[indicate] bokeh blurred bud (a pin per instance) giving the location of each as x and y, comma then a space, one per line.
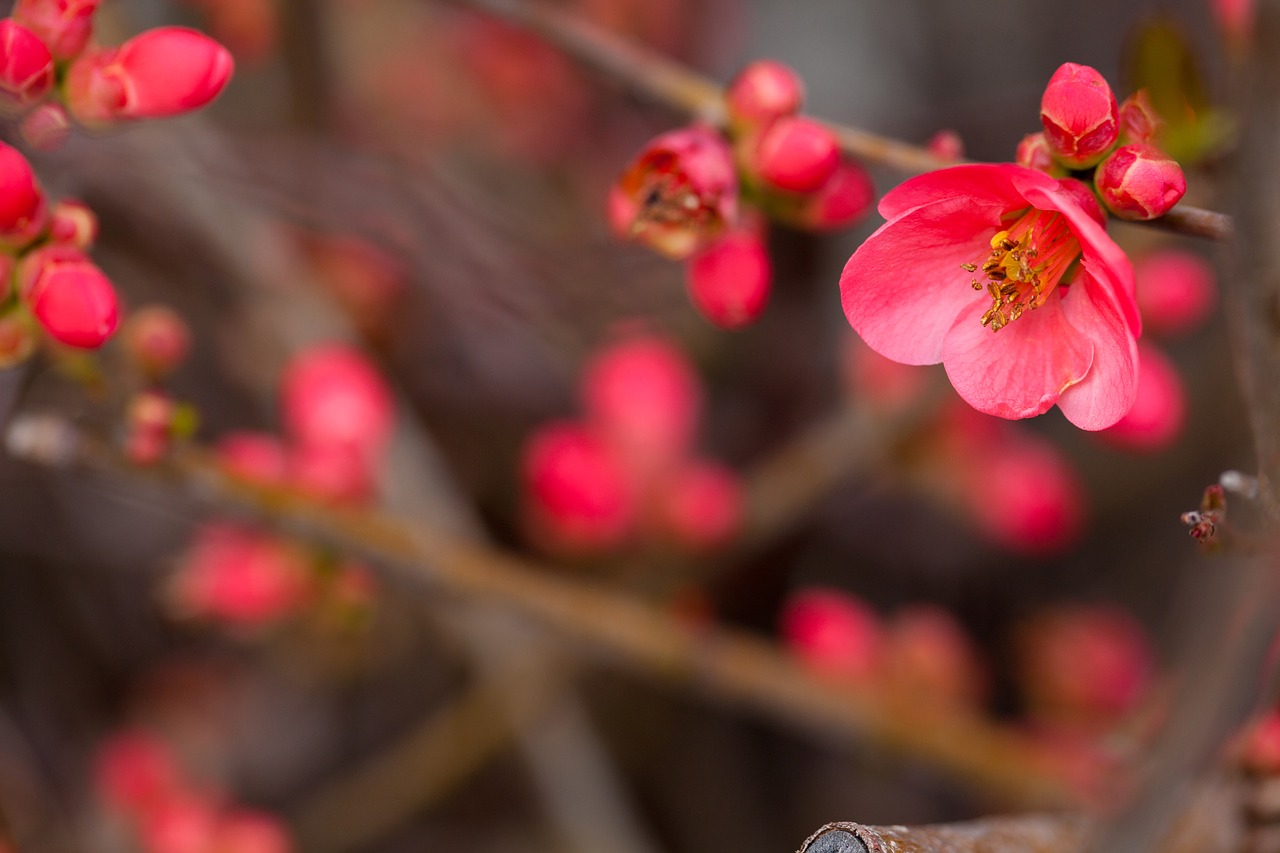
729, 281
63, 25
134, 771
183, 824
1083, 196
246, 831
1024, 495
930, 660
795, 154
763, 91
239, 576
331, 395
833, 633
846, 197
71, 298
73, 222
26, 67
946, 145
336, 473
256, 457
1033, 153
149, 420
1139, 121
23, 209
46, 127
680, 192
157, 339
577, 496
1259, 748
1080, 115
1160, 409
1139, 182
1235, 18
1177, 290
701, 506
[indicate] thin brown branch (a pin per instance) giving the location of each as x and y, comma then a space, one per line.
667, 82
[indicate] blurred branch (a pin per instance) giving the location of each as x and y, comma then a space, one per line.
731, 665
668, 82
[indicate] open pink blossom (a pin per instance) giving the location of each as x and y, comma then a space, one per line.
999, 273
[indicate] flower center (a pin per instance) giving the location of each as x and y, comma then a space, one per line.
1026, 263
666, 196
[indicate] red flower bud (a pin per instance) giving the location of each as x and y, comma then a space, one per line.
1139, 182
946, 145
1259, 747
795, 154
833, 633
1084, 197
63, 25
729, 281
1033, 153
71, 298
162, 72
1160, 410
679, 193
763, 91
26, 66
73, 222
331, 395
46, 127
158, 339
254, 457
23, 211
1176, 291
1139, 121
135, 771
332, 472
847, 196
1080, 115
702, 506
240, 576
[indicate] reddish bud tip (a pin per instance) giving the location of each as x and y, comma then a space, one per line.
1139, 121
1084, 197
764, 91
729, 281
1080, 115
1033, 153
46, 127
1176, 291
946, 145
26, 66
1139, 182
796, 154
702, 509
23, 210
71, 298
843, 200
63, 25
73, 222
1160, 409
158, 339
253, 456
331, 395
832, 632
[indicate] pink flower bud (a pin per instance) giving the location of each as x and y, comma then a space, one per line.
184, 824
240, 576
1084, 197
929, 659
729, 280
833, 633
1139, 121
162, 72
332, 472
1259, 748
245, 831
331, 395
702, 506
73, 222
26, 66
1139, 182
843, 200
1176, 291
1024, 495
149, 419
1033, 153
679, 193
795, 154
1080, 115
23, 211
63, 25
643, 397
577, 496
253, 456
1235, 18
946, 145
1160, 410
134, 771
71, 298
763, 91
158, 339
46, 127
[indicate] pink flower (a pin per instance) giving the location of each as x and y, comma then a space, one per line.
969, 271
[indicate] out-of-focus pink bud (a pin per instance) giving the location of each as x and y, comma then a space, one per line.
240, 576
929, 659
795, 154
1033, 153
1139, 121
643, 397
245, 831
150, 420
1160, 410
881, 382
843, 200
249, 28
71, 298
257, 457
1024, 495
331, 472
1259, 748
1083, 196
134, 771
1139, 182
23, 210
26, 66
185, 824
63, 25
157, 338
763, 91
367, 280
946, 145
577, 495
1235, 19
73, 222
1080, 115
18, 336
729, 280
162, 72
331, 395
679, 193
1176, 291
701, 506
834, 633
46, 127
1084, 665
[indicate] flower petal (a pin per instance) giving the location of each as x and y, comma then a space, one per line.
1111, 387
982, 183
1020, 371
903, 287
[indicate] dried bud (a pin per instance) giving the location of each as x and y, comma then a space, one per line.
23, 210
763, 91
1177, 290
26, 67
1033, 153
1139, 182
73, 222
71, 298
1084, 197
702, 506
846, 197
729, 280
679, 193
1139, 121
158, 339
1160, 409
1080, 115
331, 395
832, 632
46, 127
795, 154
63, 25
946, 145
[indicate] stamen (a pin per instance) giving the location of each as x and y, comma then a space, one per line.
1026, 262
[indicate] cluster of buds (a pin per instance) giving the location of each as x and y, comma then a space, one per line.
702, 194
627, 468
51, 70
338, 416
156, 341
1087, 133
920, 654
143, 785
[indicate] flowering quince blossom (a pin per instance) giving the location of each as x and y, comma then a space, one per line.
974, 269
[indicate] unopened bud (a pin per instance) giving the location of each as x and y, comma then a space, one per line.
1140, 182
63, 25
1139, 121
158, 339
729, 281
1176, 291
763, 91
1084, 197
73, 222
23, 209
46, 127
1033, 153
702, 506
795, 154
71, 298
26, 66
833, 633
846, 197
1080, 115
946, 145
1159, 411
